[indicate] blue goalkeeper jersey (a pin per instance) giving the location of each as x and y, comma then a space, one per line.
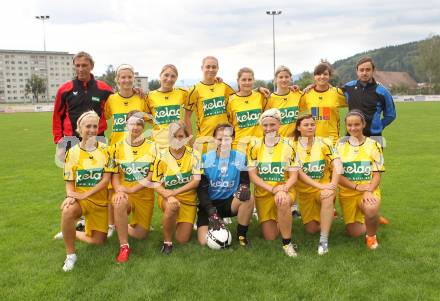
223, 173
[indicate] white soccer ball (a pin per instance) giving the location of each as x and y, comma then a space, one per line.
218, 239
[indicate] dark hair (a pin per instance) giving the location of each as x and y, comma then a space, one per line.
322, 67
296, 132
222, 126
84, 55
358, 113
365, 60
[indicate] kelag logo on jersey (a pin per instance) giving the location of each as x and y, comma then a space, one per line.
249, 118
88, 177
314, 169
119, 121
357, 170
174, 182
289, 115
221, 184
167, 114
135, 171
321, 113
214, 106
272, 171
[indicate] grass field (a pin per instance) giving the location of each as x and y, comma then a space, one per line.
405, 267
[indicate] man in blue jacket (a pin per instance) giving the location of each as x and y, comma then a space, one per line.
371, 98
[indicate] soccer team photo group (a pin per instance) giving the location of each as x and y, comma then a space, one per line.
274, 156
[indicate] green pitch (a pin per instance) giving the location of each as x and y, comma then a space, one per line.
405, 267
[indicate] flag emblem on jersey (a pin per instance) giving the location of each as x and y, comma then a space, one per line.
289, 115
357, 170
88, 177
321, 113
272, 171
135, 171
214, 106
246, 119
167, 114
119, 121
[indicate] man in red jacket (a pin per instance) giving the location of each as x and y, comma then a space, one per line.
84, 93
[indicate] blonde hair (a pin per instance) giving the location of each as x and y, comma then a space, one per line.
273, 113
209, 57
169, 66
281, 69
83, 117
245, 70
123, 67
174, 127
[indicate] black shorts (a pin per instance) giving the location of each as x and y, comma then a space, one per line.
223, 210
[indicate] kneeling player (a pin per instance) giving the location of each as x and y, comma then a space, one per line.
224, 187
273, 171
318, 179
359, 192
87, 172
134, 157
177, 173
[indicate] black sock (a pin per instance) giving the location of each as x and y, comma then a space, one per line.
242, 230
286, 241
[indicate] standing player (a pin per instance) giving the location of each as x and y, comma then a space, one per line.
207, 99
177, 169
359, 192
244, 109
165, 104
224, 187
125, 100
134, 157
286, 100
318, 179
323, 102
87, 172
272, 170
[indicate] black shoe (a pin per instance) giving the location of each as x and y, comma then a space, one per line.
81, 225
296, 214
166, 249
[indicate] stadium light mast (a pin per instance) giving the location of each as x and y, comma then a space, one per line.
44, 18
273, 13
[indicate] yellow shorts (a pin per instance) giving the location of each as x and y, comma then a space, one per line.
267, 209
141, 210
351, 211
187, 213
310, 206
96, 216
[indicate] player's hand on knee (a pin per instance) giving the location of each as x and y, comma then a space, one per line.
326, 193
243, 193
68, 201
119, 197
173, 203
369, 199
216, 222
280, 198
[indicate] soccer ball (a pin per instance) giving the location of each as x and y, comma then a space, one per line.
218, 239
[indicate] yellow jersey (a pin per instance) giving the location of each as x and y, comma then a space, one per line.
175, 173
324, 107
133, 163
272, 163
288, 105
244, 114
359, 162
165, 108
86, 169
316, 162
118, 107
209, 104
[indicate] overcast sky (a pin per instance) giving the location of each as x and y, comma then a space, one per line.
149, 34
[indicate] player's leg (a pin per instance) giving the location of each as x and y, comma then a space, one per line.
284, 218
371, 212
111, 220
326, 218
269, 229
121, 209
202, 226
68, 217
243, 210
183, 232
141, 217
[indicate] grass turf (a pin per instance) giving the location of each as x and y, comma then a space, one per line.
404, 267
